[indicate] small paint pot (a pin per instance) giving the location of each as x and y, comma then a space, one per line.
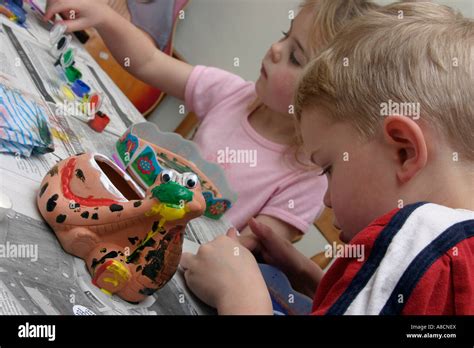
91, 104
67, 58
59, 41
80, 88
58, 30
61, 46
99, 122
95, 102
72, 74
68, 93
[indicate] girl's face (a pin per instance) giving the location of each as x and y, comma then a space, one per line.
283, 64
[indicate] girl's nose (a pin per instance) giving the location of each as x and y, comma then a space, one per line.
276, 52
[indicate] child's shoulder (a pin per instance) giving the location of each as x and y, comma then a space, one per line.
402, 256
420, 223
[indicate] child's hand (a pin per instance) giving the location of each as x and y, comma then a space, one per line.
78, 14
304, 274
226, 276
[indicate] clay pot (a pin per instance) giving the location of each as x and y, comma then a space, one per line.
130, 240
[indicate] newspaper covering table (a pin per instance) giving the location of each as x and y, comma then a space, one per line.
36, 275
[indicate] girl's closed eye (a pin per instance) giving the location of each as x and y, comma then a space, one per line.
293, 59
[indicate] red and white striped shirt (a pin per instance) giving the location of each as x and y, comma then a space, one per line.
418, 260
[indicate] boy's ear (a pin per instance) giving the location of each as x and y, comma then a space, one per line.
407, 140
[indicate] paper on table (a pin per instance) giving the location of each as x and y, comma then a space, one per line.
58, 282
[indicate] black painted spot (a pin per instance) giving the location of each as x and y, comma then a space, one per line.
137, 204
156, 258
133, 240
95, 216
103, 250
149, 243
45, 186
115, 207
139, 268
136, 253
53, 171
61, 218
147, 291
110, 255
155, 226
85, 215
80, 175
51, 204
133, 257
153, 268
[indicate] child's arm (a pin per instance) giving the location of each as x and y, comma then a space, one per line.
303, 274
128, 44
281, 228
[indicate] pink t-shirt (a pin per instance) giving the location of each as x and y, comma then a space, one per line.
255, 167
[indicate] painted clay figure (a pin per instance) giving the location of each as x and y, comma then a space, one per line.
130, 240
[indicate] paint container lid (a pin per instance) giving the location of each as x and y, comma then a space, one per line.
95, 101
67, 58
5, 205
56, 32
61, 46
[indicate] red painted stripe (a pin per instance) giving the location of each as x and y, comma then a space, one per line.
66, 177
100, 271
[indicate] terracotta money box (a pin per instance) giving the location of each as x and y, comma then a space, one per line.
129, 237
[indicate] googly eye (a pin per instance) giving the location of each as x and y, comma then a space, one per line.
190, 180
168, 175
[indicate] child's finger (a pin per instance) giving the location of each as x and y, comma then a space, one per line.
76, 24
58, 7
187, 260
262, 231
249, 242
233, 233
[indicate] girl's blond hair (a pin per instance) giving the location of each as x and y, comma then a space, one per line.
402, 53
329, 16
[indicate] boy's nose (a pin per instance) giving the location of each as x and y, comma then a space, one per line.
326, 199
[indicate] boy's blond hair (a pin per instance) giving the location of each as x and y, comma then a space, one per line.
329, 16
402, 53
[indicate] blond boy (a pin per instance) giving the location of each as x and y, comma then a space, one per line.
400, 183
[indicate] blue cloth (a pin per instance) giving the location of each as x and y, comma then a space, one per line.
285, 300
24, 122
